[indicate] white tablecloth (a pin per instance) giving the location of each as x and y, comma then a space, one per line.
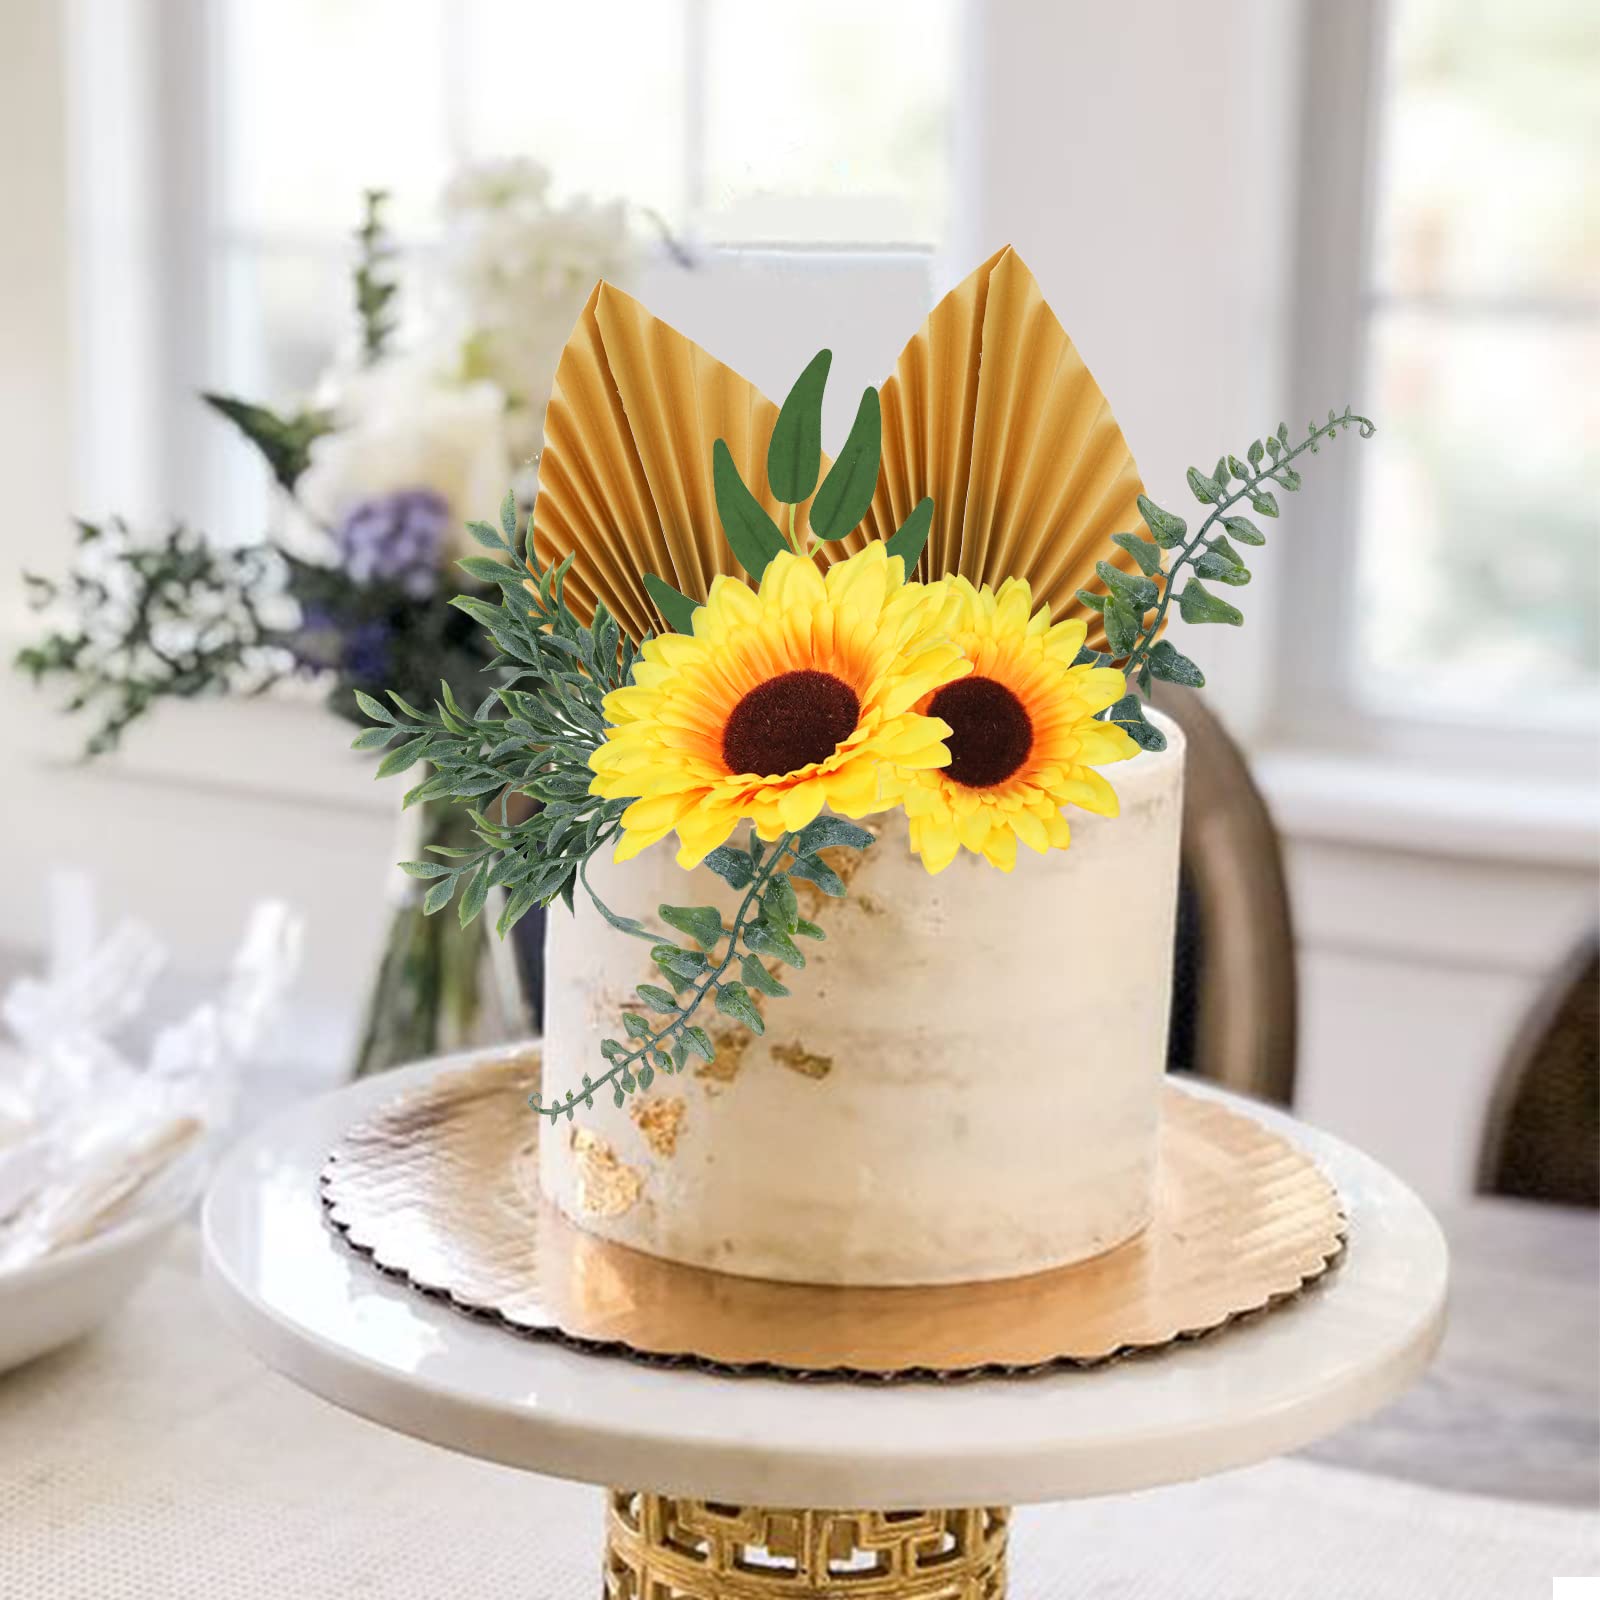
159, 1459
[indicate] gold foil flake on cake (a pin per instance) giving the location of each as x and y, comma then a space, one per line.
607, 1186
730, 1043
659, 1119
808, 1063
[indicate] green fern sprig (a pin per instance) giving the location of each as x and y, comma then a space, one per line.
1134, 606
533, 736
766, 924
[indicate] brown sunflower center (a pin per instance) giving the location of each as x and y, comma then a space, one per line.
788, 722
990, 731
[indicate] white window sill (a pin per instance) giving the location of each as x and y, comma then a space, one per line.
1387, 804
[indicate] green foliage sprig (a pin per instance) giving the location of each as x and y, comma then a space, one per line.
533, 736
1134, 606
794, 463
171, 617
374, 284
766, 924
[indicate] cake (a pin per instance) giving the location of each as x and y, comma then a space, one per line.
846, 774
946, 1096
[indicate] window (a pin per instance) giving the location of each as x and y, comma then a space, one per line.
722, 118
1474, 581
255, 125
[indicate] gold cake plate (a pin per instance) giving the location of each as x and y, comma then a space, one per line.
441, 1188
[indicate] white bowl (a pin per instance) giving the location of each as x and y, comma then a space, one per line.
63, 1296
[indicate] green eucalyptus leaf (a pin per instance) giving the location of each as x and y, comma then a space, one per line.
425, 869
438, 897
757, 977
847, 491
1144, 551
1218, 545
909, 539
1095, 602
1166, 529
828, 831
1171, 667
703, 924
751, 534
732, 866
1255, 454
1264, 502
779, 906
1128, 714
677, 609
699, 1041
1206, 491
636, 1025
1122, 626
794, 457
733, 1000
1198, 604
677, 962
658, 999
815, 870
1290, 479
765, 940
1219, 473
1220, 568
809, 930
1244, 530
1140, 592
373, 738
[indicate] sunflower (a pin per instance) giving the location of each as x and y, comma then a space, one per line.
784, 700
1023, 736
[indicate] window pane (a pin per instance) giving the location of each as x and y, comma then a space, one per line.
594, 92
1490, 165
320, 99
1479, 578
827, 124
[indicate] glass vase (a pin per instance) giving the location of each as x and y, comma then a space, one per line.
439, 987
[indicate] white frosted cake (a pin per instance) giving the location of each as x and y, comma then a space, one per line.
964, 1084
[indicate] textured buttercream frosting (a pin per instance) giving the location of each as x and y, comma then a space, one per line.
964, 1083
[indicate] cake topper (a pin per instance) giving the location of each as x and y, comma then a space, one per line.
705, 623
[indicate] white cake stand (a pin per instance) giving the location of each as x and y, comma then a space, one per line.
718, 1453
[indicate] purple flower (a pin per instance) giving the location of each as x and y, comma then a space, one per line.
366, 652
395, 538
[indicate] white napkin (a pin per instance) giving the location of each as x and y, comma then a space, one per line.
87, 1134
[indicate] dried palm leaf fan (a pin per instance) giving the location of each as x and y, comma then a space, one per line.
990, 410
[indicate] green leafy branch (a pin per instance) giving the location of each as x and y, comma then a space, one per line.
766, 924
794, 464
532, 736
1134, 605
374, 284
173, 617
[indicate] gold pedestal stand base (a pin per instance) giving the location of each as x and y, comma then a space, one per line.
662, 1548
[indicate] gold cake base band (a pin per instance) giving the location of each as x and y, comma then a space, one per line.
659, 1547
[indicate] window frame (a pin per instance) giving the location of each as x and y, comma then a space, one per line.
1344, 77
